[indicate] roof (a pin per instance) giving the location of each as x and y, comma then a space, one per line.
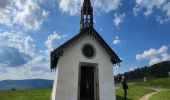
55, 54
87, 3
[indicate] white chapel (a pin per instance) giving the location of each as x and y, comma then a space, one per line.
84, 64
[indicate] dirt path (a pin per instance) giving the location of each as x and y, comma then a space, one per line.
146, 97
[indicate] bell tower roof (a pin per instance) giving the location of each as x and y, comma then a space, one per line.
86, 3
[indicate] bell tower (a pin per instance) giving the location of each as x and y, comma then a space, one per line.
86, 14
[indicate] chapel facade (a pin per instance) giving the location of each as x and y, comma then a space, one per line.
84, 64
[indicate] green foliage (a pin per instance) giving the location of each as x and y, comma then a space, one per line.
159, 70
37, 94
134, 92
164, 95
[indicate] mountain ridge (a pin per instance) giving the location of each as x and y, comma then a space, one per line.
25, 84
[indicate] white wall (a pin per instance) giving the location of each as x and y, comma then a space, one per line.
68, 69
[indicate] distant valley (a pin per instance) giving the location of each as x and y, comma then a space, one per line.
25, 84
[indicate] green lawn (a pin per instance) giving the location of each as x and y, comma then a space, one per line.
36, 94
161, 82
154, 82
134, 92
164, 95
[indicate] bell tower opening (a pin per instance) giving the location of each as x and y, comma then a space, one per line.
86, 14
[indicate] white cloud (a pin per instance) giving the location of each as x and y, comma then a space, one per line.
70, 6
166, 8
154, 55
73, 6
5, 12
2, 69
30, 14
27, 13
151, 52
29, 45
20, 59
106, 5
24, 44
154, 60
131, 69
165, 56
118, 19
12, 57
116, 41
54, 40
151, 6
16, 49
166, 18
32, 70
162, 20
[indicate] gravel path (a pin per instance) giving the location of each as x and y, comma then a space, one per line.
146, 97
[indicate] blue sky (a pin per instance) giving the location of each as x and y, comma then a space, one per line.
137, 30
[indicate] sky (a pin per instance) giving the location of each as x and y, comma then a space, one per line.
137, 30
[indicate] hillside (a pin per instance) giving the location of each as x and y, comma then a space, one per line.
25, 84
159, 70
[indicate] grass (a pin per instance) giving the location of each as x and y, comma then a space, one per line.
134, 92
161, 82
140, 89
35, 94
154, 82
164, 95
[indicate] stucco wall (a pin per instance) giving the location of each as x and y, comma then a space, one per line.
68, 70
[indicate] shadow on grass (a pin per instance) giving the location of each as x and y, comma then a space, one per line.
118, 97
